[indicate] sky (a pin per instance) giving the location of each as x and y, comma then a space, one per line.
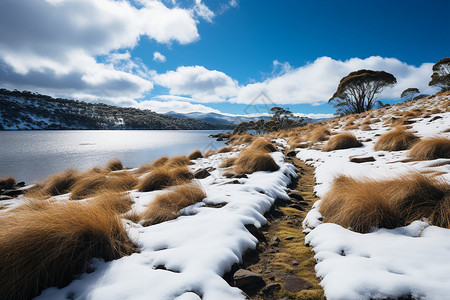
225, 56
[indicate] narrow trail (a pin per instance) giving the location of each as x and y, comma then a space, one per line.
283, 260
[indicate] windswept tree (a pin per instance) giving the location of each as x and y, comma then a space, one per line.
358, 91
410, 93
285, 118
441, 74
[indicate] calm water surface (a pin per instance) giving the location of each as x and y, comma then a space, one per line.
31, 156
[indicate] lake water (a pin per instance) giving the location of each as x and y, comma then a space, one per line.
31, 156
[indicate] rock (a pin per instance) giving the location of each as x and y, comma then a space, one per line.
367, 140
275, 239
295, 262
4, 197
435, 118
271, 289
295, 284
295, 194
361, 159
20, 184
220, 139
289, 238
239, 176
247, 280
291, 153
12, 193
296, 206
202, 173
256, 232
233, 182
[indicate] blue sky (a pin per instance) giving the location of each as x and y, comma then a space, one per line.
217, 55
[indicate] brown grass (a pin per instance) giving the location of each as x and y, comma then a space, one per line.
263, 145
395, 140
166, 206
209, 153
227, 162
435, 111
118, 202
114, 165
7, 183
155, 164
181, 174
195, 154
59, 184
225, 149
177, 161
319, 134
366, 127
164, 177
250, 161
47, 247
431, 148
341, 141
361, 204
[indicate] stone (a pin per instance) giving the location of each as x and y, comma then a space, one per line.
256, 232
271, 289
275, 239
4, 197
295, 262
289, 238
361, 159
291, 153
295, 284
435, 118
233, 182
20, 184
295, 194
202, 173
12, 192
247, 280
296, 206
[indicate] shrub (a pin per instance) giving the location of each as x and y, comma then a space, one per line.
7, 183
341, 141
364, 203
262, 144
250, 161
114, 165
47, 247
166, 206
195, 154
395, 140
432, 148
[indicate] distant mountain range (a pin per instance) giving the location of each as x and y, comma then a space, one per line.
216, 118
26, 110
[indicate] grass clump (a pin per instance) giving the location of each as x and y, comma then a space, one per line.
209, 153
114, 165
164, 177
225, 149
361, 204
155, 164
118, 202
263, 145
395, 140
250, 161
341, 141
166, 206
46, 247
228, 162
195, 154
177, 161
7, 183
432, 148
319, 134
60, 183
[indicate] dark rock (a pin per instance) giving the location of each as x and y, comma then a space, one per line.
202, 173
295, 194
256, 232
248, 281
435, 118
239, 176
367, 140
12, 193
4, 197
295, 262
361, 159
233, 182
296, 206
295, 284
220, 139
20, 184
289, 238
291, 153
275, 239
270, 289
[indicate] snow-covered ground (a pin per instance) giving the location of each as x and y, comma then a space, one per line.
195, 249
412, 260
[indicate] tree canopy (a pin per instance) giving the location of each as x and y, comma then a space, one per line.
410, 93
358, 91
441, 74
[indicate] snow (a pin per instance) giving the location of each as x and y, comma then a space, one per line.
411, 260
195, 249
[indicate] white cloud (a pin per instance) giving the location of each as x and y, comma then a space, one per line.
157, 56
199, 83
202, 11
54, 46
176, 106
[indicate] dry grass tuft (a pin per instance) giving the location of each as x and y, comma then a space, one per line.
47, 247
361, 204
166, 206
114, 165
341, 141
228, 162
432, 148
209, 153
7, 183
319, 134
366, 127
263, 145
177, 161
156, 180
250, 161
60, 183
225, 149
395, 140
195, 154
435, 111
181, 174
118, 202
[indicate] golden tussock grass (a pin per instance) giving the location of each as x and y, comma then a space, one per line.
195, 154
209, 153
163, 177
395, 140
118, 202
431, 148
350, 121
225, 149
181, 174
47, 247
435, 111
114, 165
250, 161
241, 139
341, 141
155, 164
227, 162
58, 184
262, 144
166, 206
366, 127
319, 134
361, 204
7, 183
176, 161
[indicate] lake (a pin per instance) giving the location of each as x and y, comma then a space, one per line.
31, 156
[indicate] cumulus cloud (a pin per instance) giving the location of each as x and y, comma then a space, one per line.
174, 105
202, 11
201, 84
157, 56
53, 46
